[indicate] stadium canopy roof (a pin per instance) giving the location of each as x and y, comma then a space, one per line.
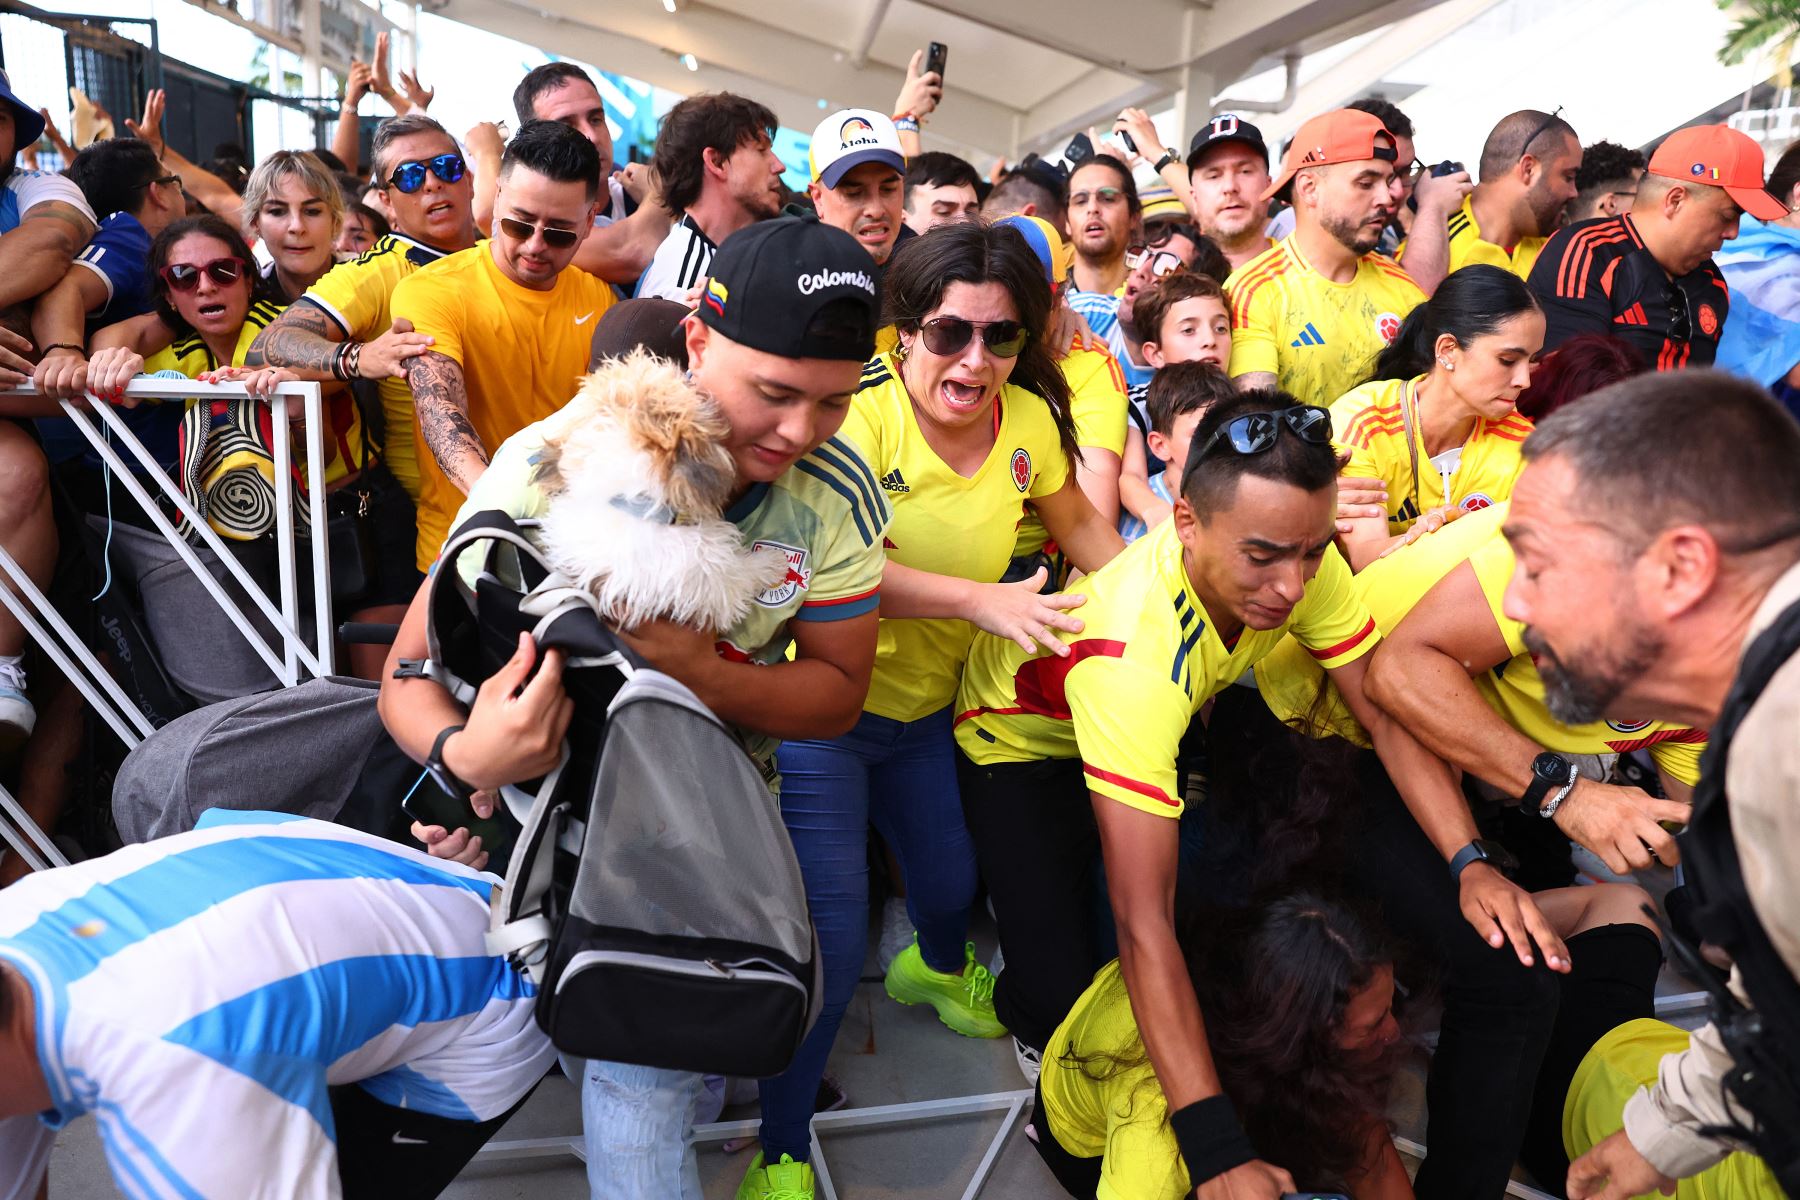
1023, 74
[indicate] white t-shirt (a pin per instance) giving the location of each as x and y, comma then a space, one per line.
683, 259
25, 190
200, 993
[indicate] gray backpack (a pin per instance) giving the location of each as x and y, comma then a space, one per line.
652, 894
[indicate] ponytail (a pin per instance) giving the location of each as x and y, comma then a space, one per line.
1470, 303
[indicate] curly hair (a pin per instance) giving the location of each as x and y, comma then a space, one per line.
974, 252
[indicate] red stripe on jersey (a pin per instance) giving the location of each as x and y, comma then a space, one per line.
1369, 422
1241, 295
1507, 433
1348, 644
1038, 684
1606, 276
1691, 737
976, 712
842, 599
1118, 373
1571, 273
1129, 784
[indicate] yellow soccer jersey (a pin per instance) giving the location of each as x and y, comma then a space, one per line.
356, 296
1145, 662
825, 513
945, 523
1319, 338
1099, 414
342, 435
1392, 586
1121, 1118
1467, 246
522, 352
1369, 424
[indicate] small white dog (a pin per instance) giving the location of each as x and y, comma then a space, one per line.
639, 477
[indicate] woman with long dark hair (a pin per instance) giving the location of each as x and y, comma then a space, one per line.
963, 424
1437, 421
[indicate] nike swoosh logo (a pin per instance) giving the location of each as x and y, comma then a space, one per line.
406, 1141
583, 319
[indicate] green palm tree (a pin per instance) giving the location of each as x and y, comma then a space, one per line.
1770, 26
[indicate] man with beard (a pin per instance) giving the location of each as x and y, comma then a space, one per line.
1647, 276
718, 168
1663, 594
1310, 313
1228, 172
1527, 170
859, 179
1103, 209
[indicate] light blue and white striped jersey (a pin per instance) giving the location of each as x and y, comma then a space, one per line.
1099, 309
199, 994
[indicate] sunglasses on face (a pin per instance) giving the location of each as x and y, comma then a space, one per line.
409, 177
951, 335
1163, 262
556, 239
1107, 196
185, 277
1256, 433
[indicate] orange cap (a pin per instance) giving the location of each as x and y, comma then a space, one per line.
1719, 156
1342, 135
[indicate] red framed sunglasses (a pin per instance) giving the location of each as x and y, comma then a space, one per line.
185, 277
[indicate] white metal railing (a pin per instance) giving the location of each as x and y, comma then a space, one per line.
106, 432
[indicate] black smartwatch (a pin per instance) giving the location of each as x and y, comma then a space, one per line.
1549, 772
1481, 850
443, 775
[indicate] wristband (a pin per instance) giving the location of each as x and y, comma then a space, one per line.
1211, 1140
64, 346
338, 358
1169, 156
906, 123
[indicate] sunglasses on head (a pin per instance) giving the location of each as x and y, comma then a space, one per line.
1163, 262
409, 177
951, 335
1160, 234
1546, 123
556, 239
185, 277
1256, 433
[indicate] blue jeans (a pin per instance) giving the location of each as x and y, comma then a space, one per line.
637, 1122
900, 775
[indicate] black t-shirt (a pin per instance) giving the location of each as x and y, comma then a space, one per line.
1597, 277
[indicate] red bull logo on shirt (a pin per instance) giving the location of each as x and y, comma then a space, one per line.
796, 580
1021, 468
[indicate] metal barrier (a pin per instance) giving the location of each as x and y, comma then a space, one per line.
106, 432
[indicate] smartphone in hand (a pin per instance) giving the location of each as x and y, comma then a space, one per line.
935, 55
1080, 147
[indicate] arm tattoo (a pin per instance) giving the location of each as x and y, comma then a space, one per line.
76, 227
302, 337
442, 401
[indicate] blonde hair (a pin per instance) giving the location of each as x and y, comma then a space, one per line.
299, 164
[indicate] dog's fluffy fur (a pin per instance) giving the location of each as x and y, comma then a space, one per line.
638, 435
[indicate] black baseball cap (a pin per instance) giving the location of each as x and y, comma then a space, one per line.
1228, 127
771, 281
648, 323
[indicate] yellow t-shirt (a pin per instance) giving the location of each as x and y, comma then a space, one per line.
1099, 415
343, 433
1121, 1119
825, 513
945, 523
1136, 674
1369, 424
1392, 586
1620, 1063
521, 350
1466, 245
1318, 337
358, 296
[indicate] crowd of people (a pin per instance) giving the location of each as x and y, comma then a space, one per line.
1290, 590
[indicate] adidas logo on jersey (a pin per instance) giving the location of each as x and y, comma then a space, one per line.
891, 482
1309, 336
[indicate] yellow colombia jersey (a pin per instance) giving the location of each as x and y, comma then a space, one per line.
342, 435
1318, 337
944, 523
1145, 662
1369, 424
1391, 587
1466, 245
522, 352
1122, 1118
1099, 414
824, 513
356, 296
1626, 1059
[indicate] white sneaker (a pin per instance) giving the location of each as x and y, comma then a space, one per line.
1030, 1061
897, 932
17, 717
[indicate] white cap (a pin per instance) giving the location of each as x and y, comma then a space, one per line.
851, 137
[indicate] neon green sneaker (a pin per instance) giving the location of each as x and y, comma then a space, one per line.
786, 1180
964, 1002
